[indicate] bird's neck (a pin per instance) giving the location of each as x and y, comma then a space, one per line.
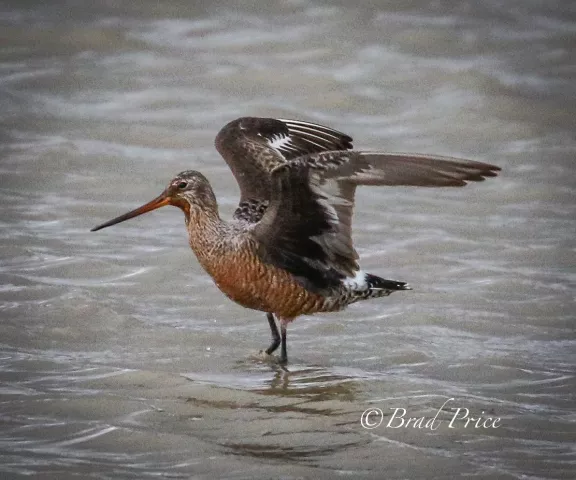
202, 216
206, 231
200, 209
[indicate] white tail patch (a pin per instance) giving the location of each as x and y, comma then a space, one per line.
357, 282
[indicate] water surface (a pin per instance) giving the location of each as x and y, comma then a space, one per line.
118, 356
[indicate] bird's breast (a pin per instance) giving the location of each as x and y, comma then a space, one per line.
243, 277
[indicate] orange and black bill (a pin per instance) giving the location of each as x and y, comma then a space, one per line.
158, 202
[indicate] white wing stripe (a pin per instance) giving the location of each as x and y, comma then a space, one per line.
307, 135
306, 139
278, 142
293, 124
307, 131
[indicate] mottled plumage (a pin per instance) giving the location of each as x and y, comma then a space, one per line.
289, 251
253, 147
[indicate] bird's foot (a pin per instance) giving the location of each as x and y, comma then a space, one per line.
263, 356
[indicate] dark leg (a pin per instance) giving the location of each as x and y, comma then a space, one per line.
283, 352
275, 335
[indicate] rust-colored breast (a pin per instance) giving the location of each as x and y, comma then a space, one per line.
244, 278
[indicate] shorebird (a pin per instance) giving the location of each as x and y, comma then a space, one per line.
288, 250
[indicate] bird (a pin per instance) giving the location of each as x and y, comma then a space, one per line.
288, 249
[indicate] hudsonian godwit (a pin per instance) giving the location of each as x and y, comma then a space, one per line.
288, 250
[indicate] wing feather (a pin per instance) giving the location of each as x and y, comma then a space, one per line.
396, 169
307, 228
252, 147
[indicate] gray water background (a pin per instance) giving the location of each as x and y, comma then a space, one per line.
119, 359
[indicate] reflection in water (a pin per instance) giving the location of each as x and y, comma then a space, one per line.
312, 383
297, 398
282, 452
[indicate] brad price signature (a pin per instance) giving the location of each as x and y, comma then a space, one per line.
374, 417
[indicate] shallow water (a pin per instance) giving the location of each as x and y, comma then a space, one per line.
118, 356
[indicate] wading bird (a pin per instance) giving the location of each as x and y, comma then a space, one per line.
288, 250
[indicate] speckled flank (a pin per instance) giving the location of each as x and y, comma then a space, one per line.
228, 253
229, 256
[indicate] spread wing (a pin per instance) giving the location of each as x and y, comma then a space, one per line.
252, 147
396, 169
307, 229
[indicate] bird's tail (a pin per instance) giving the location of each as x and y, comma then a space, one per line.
374, 286
377, 283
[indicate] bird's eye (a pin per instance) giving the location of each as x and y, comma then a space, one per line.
182, 185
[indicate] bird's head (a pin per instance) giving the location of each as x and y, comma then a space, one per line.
187, 190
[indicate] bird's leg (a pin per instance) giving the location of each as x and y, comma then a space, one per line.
275, 335
283, 352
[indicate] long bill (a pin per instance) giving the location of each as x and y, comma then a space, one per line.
160, 201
